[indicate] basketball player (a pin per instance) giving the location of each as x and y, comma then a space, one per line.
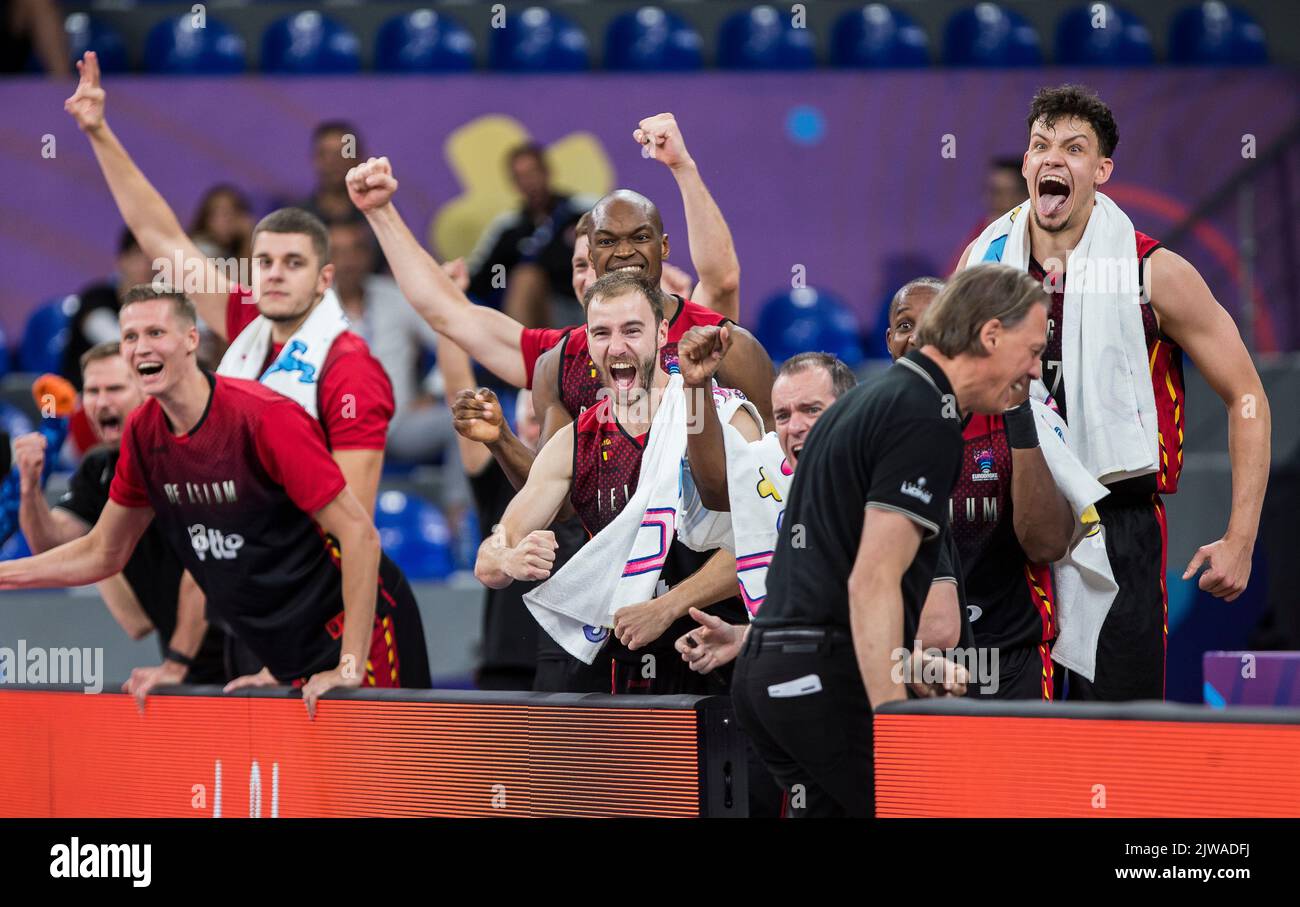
354, 399
595, 464
1072, 135
247, 496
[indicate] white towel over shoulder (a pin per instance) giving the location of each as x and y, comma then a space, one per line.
296, 372
1111, 402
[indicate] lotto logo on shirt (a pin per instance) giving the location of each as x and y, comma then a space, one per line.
215, 542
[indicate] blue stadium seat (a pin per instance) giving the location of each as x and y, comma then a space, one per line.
1213, 33
764, 38
309, 43
806, 320
176, 47
988, 35
423, 41
14, 421
414, 533
5, 361
1121, 40
538, 40
651, 40
878, 37
87, 33
45, 335
15, 548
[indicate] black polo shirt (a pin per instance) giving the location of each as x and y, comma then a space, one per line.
153, 572
893, 442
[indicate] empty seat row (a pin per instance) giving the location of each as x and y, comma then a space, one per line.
651, 39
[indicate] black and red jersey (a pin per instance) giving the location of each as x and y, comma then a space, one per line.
606, 469
579, 383
234, 498
1009, 600
1165, 362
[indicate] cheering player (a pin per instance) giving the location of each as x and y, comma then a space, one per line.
595, 464
245, 492
1072, 135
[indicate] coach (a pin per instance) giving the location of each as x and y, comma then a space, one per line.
847, 581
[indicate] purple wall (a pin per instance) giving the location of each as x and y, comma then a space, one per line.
851, 208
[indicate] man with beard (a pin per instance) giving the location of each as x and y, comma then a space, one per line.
595, 465
149, 593
1136, 447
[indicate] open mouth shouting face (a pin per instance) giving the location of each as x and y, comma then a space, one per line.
1063, 167
627, 237
155, 343
624, 341
109, 393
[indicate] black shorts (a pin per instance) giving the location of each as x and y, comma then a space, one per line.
799, 696
1134, 639
1024, 672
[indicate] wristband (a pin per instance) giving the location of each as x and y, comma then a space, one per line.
183, 660
1022, 432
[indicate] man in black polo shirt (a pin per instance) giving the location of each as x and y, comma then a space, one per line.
148, 594
860, 540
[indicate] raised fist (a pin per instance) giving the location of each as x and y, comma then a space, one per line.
533, 558
371, 185
662, 140
87, 103
477, 415
29, 457
700, 353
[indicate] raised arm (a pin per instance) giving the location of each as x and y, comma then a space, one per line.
748, 368
94, 556
487, 335
520, 547
1192, 318
699, 353
145, 212
43, 527
713, 253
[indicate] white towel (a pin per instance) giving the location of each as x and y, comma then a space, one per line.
758, 484
620, 565
1104, 365
1084, 584
296, 371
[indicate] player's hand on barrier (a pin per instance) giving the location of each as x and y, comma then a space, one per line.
639, 625
263, 678
477, 416
87, 103
700, 353
533, 558
458, 271
319, 684
661, 139
143, 680
676, 282
941, 677
1227, 563
371, 185
29, 457
712, 644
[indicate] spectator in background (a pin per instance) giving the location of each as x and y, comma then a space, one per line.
223, 224
1004, 188
33, 26
335, 148
522, 262
95, 320
399, 338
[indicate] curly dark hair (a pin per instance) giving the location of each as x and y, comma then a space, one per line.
1079, 102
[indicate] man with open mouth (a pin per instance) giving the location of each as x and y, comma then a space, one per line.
152, 592
1072, 136
594, 464
241, 485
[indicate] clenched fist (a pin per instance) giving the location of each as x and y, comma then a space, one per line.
661, 139
700, 353
87, 103
533, 558
29, 457
371, 185
477, 415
